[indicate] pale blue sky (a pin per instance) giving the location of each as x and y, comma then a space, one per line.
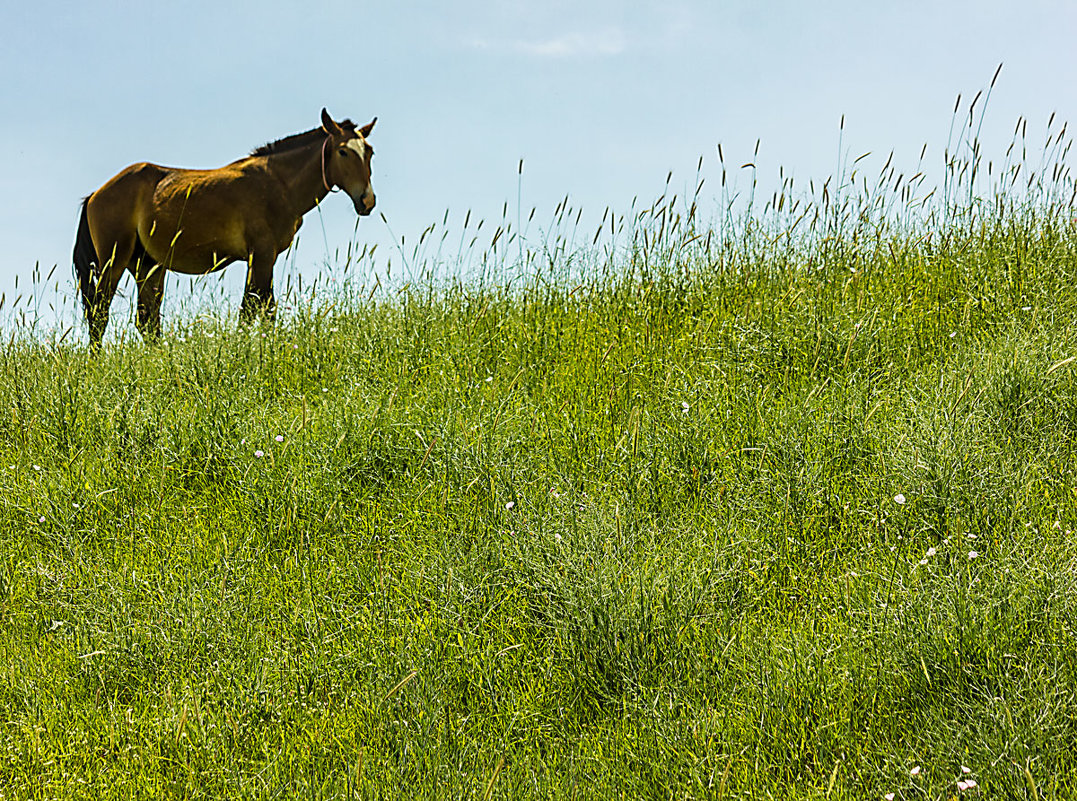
600, 98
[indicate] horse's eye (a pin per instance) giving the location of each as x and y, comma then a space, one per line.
343, 151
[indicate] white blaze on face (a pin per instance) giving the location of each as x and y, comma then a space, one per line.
364, 194
359, 146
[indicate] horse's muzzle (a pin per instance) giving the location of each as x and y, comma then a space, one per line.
364, 205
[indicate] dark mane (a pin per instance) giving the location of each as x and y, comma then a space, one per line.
297, 140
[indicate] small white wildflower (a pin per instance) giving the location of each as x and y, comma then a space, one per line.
325, 389
970, 783
279, 438
931, 551
889, 797
41, 519
510, 504
899, 499
685, 407
953, 334
973, 554
915, 771
37, 467
971, 536
557, 536
258, 454
966, 770
962, 786
489, 378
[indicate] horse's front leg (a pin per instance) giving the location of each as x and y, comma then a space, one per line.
258, 294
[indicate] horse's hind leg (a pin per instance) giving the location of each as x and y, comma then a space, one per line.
150, 278
112, 216
107, 281
114, 241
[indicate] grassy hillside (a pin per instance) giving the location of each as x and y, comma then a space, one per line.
768, 508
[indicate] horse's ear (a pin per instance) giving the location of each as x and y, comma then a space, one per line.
328, 125
366, 129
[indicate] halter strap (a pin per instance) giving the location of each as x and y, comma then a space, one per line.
325, 180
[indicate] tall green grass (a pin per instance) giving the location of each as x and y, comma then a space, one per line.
777, 502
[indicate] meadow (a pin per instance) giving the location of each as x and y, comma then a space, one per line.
775, 503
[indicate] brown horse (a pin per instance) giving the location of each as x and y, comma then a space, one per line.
149, 219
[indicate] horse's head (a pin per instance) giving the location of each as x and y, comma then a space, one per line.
346, 161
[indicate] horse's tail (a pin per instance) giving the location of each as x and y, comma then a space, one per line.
85, 260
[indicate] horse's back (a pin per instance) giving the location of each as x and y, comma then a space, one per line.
152, 186
229, 185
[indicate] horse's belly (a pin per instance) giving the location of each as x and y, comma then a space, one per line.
192, 226
200, 266
182, 252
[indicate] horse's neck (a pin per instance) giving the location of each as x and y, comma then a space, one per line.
300, 171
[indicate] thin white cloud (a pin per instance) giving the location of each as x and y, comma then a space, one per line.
576, 44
